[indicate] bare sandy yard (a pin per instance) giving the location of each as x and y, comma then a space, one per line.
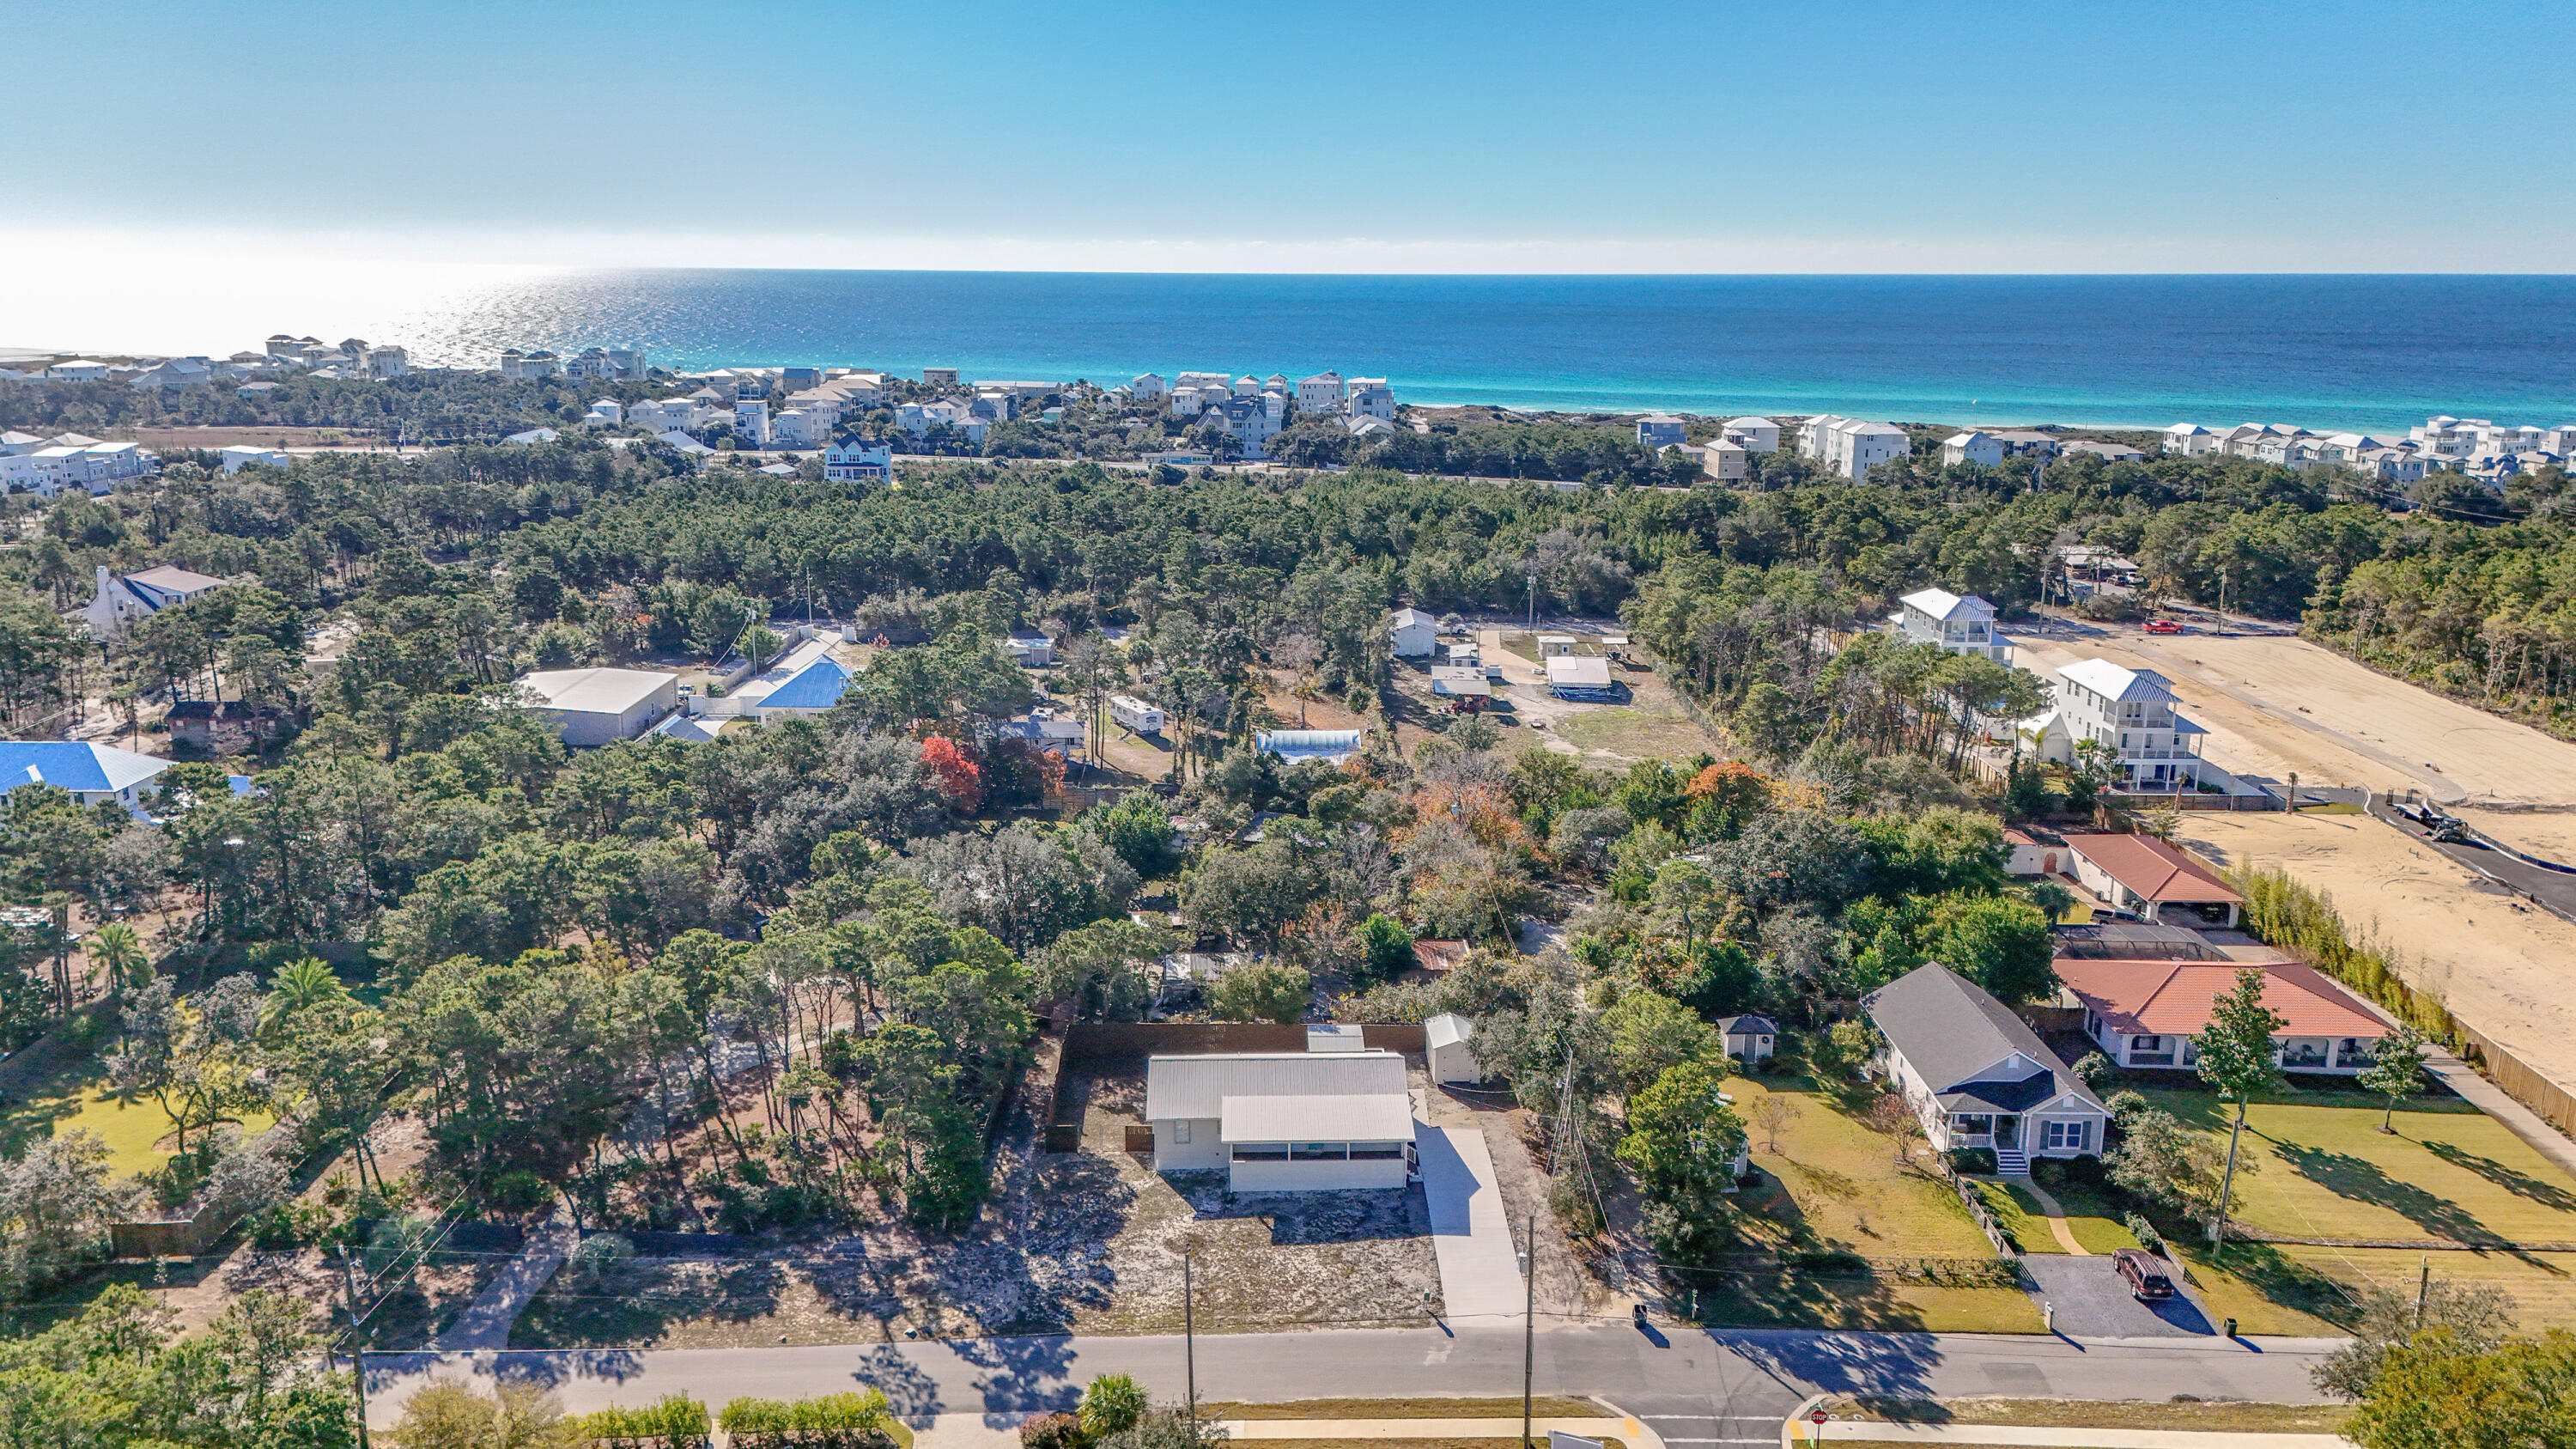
2500, 963
2275, 703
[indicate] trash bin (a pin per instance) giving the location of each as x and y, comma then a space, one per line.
2230, 1329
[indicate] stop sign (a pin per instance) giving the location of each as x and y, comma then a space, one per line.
1819, 1417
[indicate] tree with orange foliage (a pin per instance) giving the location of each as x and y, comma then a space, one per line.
960, 779
1722, 798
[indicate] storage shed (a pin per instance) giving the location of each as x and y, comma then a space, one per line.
1445, 1037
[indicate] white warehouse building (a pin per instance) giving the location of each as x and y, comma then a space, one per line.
597, 706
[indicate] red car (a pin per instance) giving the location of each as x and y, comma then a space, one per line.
2145, 1276
2163, 626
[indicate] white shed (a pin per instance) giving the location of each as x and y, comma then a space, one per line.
1283, 1121
1445, 1038
1413, 634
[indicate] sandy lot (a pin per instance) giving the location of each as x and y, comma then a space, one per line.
2275, 703
2500, 963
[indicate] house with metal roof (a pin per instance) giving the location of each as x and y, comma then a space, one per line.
1283, 1121
597, 706
2152, 746
1580, 676
1959, 623
2149, 1013
1412, 634
1291, 746
93, 773
1976, 1075
119, 599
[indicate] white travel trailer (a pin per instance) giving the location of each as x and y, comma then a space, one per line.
1136, 714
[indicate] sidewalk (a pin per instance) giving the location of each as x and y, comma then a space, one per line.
1868, 1431
2493, 1100
496, 1310
1629, 1431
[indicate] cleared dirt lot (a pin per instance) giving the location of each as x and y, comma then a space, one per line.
2503, 965
2277, 703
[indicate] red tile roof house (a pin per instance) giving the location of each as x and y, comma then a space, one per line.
2145, 1013
2143, 877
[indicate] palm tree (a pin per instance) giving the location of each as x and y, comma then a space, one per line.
118, 948
298, 985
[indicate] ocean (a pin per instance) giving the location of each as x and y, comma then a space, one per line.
2326, 352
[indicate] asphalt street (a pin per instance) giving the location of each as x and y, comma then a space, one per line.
1699, 1389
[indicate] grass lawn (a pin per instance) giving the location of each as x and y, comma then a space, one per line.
2542, 1285
2020, 1217
2096, 1414
2449, 1172
1834, 1185
1651, 728
71, 1095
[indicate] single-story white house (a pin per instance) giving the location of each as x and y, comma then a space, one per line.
1749, 1038
1412, 634
1978, 1076
1283, 1121
2147, 1013
1444, 1039
596, 706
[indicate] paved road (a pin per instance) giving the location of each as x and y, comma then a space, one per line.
2554, 890
1480, 1275
1698, 1390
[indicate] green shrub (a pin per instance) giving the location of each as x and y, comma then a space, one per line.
828, 1421
2144, 1231
677, 1422
1972, 1161
1112, 1405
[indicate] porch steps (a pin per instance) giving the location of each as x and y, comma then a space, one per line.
2012, 1162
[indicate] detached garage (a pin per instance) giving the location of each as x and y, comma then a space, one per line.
1283, 1121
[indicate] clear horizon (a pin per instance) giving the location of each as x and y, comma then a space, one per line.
1862, 137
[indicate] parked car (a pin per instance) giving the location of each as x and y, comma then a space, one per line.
2144, 1274
2164, 626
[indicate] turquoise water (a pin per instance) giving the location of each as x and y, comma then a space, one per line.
2324, 351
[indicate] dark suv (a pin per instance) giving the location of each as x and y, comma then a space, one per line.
2145, 1276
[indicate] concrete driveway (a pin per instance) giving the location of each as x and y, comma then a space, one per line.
2092, 1300
1480, 1274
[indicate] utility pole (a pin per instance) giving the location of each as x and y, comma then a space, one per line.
1529, 1320
357, 1345
1189, 1349
2423, 1288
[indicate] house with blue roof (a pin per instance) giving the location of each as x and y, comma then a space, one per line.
93, 773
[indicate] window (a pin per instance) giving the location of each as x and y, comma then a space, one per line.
2065, 1136
1181, 1132
1261, 1152
1376, 1151
1320, 1151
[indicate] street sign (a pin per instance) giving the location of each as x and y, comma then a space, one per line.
1819, 1417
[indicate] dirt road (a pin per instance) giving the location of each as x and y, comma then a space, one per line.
2500, 963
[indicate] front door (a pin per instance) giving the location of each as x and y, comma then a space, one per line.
2007, 1131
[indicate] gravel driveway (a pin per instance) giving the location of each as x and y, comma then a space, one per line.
2092, 1300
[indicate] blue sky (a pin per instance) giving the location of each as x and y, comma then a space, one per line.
2085, 136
